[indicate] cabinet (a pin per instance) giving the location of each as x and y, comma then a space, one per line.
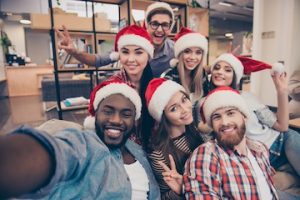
94, 28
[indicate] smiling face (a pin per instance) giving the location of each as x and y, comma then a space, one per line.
160, 33
222, 74
178, 111
192, 57
115, 118
134, 59
229, 126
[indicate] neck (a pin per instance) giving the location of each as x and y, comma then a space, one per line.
241, 148
157, 48
187, 77
135, 80
177, 131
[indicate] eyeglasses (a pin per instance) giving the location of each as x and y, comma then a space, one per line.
165, 25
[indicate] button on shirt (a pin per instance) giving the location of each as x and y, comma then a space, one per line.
159, 63
213, 172
86, 168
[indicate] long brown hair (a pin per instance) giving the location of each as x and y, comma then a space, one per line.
196, 77
162, 141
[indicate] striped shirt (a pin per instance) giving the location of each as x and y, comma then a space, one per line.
213, 172
180, 143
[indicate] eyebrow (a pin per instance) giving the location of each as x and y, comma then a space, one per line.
137, 49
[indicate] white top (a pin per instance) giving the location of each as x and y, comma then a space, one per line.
138, 179
261, 181
259, 125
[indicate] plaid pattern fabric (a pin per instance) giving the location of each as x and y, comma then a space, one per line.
213, 172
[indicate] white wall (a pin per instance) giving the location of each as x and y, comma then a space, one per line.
27, 6
278, 17
15, 32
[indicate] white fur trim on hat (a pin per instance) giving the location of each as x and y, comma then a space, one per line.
159, 6
190, 40
174, 62
89, 123
161, 97
222, 99
278, 67
114, 56
132, 39
119, 88
234, 62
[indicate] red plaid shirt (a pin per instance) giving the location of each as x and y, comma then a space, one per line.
213, 172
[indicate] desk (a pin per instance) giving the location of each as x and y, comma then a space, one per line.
25, 80
295, 123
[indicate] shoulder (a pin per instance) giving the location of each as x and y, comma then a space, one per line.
169, 42
169, 73
206, 149
257, 146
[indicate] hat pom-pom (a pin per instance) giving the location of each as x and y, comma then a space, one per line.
278, 67
89, 123
114, 56
174, 62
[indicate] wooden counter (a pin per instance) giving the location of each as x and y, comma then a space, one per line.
25, 80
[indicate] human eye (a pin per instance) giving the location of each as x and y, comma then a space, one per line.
228, 69
127, 114
107, 111
185, 99
215, 117
187, 51
139, 52
124, 51
216, 67
165, 25
173, 109
199, 52
154, 24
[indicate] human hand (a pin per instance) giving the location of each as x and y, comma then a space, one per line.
172, 178
65, 41
280, 81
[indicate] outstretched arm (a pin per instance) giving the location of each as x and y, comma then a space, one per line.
25, 165
66, 43
281, 85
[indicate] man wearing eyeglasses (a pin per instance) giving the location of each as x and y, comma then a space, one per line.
159, 21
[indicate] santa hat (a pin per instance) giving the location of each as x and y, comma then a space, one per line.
132, 35
158, 94
186, 38
159, 6
221, 97
245, 65
106, 89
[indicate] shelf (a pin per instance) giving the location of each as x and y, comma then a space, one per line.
70, 108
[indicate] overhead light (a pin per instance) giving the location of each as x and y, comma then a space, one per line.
223, 3
25, 21
229, 35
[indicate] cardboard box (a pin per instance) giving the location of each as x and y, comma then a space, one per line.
72, 22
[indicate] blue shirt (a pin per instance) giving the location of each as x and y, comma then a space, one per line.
159, 63
86, 168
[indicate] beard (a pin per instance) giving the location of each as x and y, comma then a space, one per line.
101, 135
232, 141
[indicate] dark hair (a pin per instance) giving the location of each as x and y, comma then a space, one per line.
162, 141
158, 11
233, 85
147, 122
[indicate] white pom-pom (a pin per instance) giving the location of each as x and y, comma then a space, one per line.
89, 123
114, 56
278, 67
174, 62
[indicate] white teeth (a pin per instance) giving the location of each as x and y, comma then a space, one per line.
113, 130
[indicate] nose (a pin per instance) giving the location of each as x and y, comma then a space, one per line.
225, 120
115, 119
159, 28
131, 58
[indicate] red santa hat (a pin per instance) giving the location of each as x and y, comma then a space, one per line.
186, 38
245, 65
159, 6
132, 35
158, 94
222, 97
106, 89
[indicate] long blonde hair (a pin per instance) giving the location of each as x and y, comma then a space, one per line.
196, 77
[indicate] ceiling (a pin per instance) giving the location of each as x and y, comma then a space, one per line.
229, 15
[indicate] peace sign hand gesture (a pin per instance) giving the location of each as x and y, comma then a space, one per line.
172, 178
65, 41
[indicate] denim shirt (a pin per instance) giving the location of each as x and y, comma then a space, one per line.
159, 63
86, 169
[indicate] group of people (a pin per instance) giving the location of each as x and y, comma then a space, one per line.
142, 138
